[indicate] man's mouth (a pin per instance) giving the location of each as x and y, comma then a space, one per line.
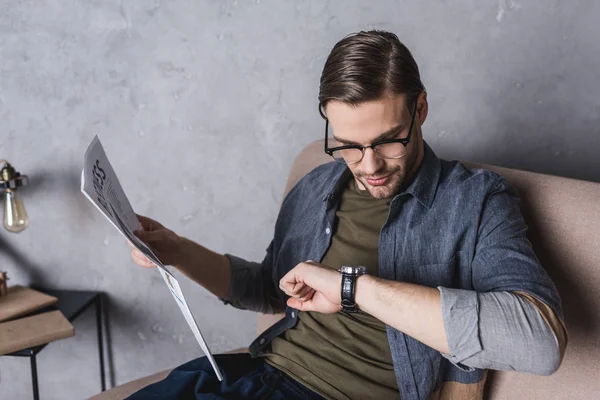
378, 181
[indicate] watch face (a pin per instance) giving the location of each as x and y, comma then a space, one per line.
353, 270
347, 269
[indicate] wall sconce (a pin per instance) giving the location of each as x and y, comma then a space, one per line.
15, 216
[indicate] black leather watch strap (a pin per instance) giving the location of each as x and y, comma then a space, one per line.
348, 285
349, 275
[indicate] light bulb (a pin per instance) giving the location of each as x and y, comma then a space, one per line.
15, 216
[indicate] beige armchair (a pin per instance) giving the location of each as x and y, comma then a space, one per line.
564, 219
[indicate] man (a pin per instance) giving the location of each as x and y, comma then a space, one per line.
448, 285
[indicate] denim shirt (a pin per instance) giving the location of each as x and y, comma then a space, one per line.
450, 227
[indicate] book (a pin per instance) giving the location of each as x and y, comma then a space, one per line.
32, 331
21, 300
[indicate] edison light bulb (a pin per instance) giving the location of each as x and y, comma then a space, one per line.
15, 216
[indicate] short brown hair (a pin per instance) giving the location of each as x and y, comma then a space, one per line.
364, 66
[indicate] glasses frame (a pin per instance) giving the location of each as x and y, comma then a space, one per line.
405, 141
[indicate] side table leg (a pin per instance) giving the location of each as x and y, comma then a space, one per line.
100, 339
34, 378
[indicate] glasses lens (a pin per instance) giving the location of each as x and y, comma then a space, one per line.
347, 156
391, 150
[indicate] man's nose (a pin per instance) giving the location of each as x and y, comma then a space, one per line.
371, 162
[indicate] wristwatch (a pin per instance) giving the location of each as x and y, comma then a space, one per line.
349, 275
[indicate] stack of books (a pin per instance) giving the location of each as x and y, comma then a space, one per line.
26, 320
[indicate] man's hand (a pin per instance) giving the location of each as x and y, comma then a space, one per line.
313, 287
165, 243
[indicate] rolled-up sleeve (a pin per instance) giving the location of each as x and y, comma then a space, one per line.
460, 311
504, 323
251, 286
502, 331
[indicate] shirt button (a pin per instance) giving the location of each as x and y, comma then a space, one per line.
328, 231
293, 314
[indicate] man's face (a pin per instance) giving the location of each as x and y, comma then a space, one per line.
365, 124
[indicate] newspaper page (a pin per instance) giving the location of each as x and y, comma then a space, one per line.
99, 183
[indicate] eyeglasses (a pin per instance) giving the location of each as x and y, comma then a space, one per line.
352, 154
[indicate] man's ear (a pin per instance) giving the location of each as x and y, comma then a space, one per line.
422, 108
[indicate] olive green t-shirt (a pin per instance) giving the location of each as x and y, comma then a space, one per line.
343, 355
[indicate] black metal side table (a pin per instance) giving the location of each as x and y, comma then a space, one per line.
72, 303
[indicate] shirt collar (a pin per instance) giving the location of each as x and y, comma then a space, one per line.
425, 183
423, 186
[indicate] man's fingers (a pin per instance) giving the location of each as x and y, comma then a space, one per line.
291, 284
303, 292
307, 296
286, 289
316, 303
148, 223
141, 259
293, 288
150, 236
300, 305
145, 221
298, 287
288, 284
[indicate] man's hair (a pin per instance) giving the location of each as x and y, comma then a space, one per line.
365, 66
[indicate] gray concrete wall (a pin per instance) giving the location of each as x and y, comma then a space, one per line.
202, 105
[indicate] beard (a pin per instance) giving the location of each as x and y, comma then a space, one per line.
396, 178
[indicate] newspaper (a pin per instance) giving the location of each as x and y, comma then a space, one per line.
100, 185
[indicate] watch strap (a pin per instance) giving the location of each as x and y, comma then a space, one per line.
348, 290
349, 275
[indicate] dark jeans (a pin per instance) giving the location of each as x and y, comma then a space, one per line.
244, 377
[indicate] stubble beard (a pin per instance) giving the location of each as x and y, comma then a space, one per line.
397, 177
